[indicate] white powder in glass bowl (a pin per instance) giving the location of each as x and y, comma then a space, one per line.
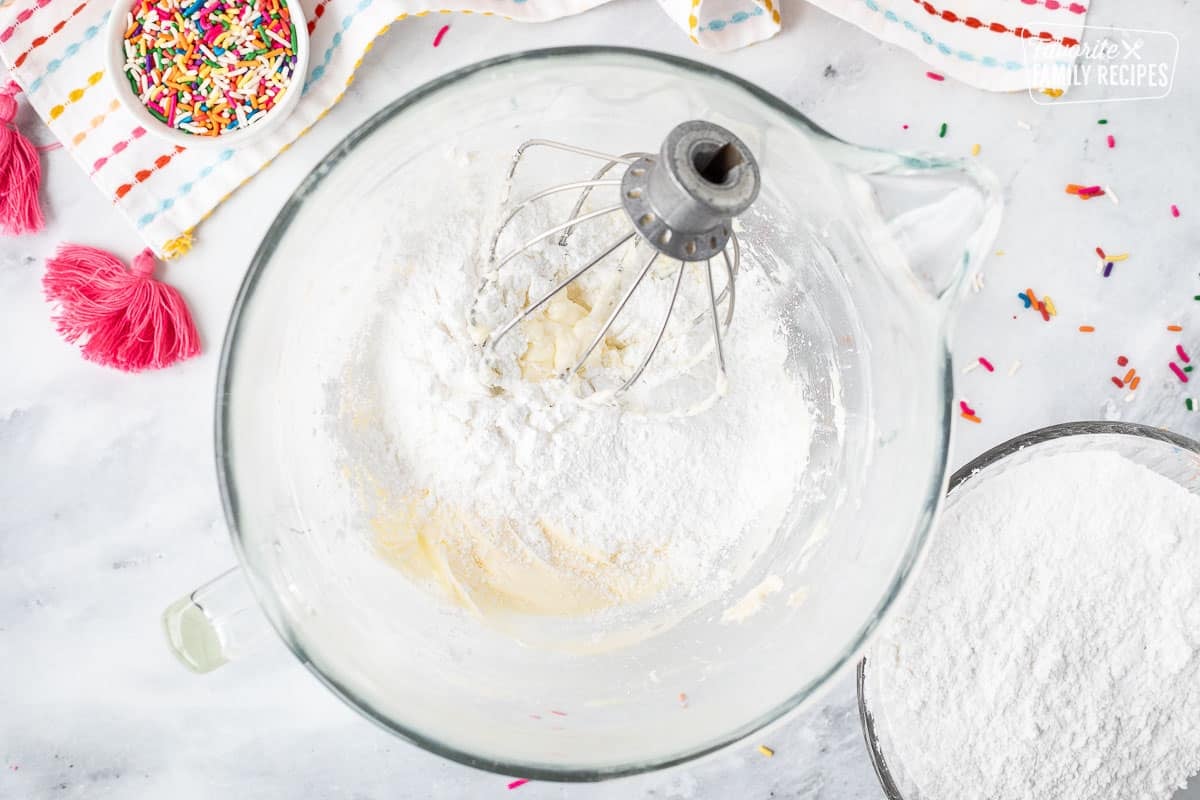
1050, 645
495, 484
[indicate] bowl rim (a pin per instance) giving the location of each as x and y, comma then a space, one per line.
114, 76
543, 771
963, 474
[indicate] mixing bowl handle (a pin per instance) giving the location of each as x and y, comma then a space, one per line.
214, 623
934, 218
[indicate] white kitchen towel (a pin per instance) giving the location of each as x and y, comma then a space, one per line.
55, 49
986, 43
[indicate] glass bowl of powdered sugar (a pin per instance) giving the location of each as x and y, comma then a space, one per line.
1049, 646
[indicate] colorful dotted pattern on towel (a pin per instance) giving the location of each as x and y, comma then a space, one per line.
55, 48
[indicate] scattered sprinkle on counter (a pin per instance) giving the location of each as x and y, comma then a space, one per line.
942, 131
519, 782
766, 751
933, 76
975, 148
209, 67
1085, 192
1045, 306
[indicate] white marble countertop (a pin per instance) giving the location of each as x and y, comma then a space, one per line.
108, 500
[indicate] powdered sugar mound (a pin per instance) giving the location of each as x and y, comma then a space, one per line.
637, 508
1050, 647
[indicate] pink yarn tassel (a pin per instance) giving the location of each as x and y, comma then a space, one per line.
20, 172
128, 320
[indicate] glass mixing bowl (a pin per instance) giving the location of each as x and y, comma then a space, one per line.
866, 250
1170, 455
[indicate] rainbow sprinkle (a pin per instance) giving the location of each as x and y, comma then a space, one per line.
1131, 380
518, 783
1045, 306
1178, 372
209, 67
766, 751
1084, 192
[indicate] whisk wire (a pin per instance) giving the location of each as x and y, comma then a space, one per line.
731, 286
546, 234
662, 329
570, 148
627, 158
613, 316
493, 339
716, 320
587, 186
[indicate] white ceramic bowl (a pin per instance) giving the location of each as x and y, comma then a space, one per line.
115, 73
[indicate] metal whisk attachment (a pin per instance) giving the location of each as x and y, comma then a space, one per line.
681, 202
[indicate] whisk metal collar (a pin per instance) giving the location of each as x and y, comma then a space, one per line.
683, 200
